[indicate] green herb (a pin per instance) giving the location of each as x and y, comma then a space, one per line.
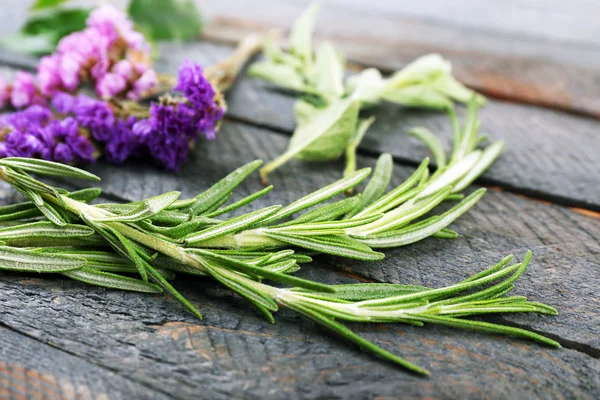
163, 236
327, 114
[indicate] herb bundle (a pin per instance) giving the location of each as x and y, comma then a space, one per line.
141, 246
327, 115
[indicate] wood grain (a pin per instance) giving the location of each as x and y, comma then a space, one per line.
30, 369
553, 72
234, 353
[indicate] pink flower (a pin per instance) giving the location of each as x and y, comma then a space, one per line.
24, 92
143, 85
48, 75
110, 85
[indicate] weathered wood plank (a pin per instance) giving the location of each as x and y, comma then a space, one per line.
549, 154
566, 244
504, 65
234, 353
553, 21
33, 370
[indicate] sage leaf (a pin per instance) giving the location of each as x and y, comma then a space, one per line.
329, 71
279, 74
301, 33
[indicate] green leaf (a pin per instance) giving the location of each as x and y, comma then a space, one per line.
146, 209
41, 4
329, 71
43, 31
252, 270
421, 96
397, 195
241, 287
353, 143
167, 19
321, 195
410, 235
231, 225
323, 137
369, 291
328, 212
209, 197
28, 261
342, 330
279, 74
431, 141
161, 281
378, 184
29, 44
489, 155
113, 281
368, 86
333, 245
240, 203
301, 34
85, 195
45, 229
48, 168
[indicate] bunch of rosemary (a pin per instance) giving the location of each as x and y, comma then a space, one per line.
328, 112
141, 246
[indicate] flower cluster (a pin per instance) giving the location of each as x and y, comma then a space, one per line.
58, 124
34, 132
108, 53
167, 134
173, 125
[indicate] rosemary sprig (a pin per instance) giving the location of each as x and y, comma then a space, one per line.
164, 236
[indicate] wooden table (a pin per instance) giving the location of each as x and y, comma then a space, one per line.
64, 340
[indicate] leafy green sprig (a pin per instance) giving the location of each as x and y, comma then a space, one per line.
328, 112
160, 237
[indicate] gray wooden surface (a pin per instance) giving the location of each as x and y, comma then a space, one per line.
65, 340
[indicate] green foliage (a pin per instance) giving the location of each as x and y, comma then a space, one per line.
166, 19
44, 29
327, 114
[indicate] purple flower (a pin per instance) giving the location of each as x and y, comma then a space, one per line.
33, 116
63, 153
64, 103
22, 144
199, 91
96, 115
123, 143
24, 92
143, 85
194, 85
